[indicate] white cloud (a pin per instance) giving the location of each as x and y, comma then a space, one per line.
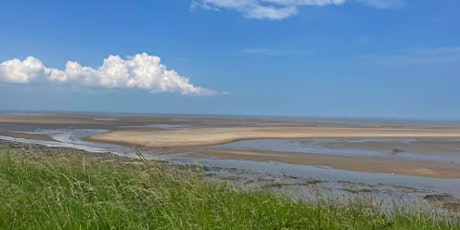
141, 71
280, 9
262, 9
271, 12
306, 2
21, 71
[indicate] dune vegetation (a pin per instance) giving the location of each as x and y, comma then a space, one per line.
44, 188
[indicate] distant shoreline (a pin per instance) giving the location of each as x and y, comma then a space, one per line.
387, 120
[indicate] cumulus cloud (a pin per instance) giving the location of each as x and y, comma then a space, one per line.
140, 71
279, 9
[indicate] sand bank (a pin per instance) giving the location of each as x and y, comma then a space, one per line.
212, 136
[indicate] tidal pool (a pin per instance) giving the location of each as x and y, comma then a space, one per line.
443, 150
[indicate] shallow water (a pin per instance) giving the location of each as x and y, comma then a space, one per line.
55, 144
73, 138
332, 147
421, 184
407, 189
390, 192
160, 126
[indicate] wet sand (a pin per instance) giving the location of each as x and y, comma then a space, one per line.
178, 134
139, 121
424, 146
351, 163
382, 167
212, 136
38, 137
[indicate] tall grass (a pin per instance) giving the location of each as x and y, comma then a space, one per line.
66, 189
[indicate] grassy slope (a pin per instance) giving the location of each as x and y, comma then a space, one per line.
66, 189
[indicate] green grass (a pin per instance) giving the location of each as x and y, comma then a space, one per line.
44, 188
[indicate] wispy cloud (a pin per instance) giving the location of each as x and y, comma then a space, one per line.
384, 4
280, 9
435, 53
140, 71
454, 50
437, 59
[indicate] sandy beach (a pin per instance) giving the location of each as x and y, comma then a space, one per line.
211, 136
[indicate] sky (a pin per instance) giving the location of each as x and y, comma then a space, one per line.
310, 58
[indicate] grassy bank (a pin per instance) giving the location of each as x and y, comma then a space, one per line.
43, 188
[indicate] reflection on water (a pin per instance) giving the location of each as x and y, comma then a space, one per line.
160, 126
55, 144
385, 183
423, 184
73, 138
350, 147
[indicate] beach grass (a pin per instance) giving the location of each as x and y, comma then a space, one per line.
44, 188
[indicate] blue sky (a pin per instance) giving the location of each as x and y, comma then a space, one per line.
333, 58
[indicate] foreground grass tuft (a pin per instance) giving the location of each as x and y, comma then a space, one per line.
44, 188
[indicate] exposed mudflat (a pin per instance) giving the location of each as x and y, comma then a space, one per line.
390, 163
